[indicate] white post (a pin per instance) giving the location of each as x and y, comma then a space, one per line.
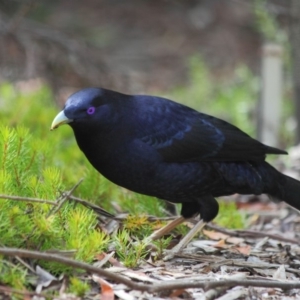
269, 110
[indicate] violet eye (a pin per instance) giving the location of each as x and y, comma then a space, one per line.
91, 110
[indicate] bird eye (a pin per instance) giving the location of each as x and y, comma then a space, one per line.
90, 110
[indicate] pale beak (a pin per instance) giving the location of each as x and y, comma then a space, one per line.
60, 119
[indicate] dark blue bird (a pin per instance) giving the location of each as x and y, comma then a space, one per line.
161, 148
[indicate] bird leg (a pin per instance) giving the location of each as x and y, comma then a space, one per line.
198, 227
166, 229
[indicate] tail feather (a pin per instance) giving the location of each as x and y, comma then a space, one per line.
288, 192
273, 150
280, 186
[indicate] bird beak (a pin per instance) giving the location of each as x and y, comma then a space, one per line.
60, 119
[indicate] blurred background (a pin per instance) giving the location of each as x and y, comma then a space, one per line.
236, 59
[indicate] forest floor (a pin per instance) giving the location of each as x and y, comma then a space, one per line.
261, 262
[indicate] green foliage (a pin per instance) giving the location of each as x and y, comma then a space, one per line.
78, 287
229, 216
82, 236
12, 275
22, 164
129, 253
161, 245
23, 224
138, 225
267, 24
138, 204
37, 163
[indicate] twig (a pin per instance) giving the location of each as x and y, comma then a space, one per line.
94, 207
155, 287
65, 196
149, 218
21, 261
73, 263
214, 293
252, 233
206, 285
27, 199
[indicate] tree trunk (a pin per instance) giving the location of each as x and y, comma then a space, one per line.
269, 109
295, 45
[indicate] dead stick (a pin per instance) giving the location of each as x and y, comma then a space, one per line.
207, 285
73, 263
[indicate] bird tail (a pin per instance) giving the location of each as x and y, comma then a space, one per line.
283, 188
290, 192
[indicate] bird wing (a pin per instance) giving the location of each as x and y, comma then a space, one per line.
181, 134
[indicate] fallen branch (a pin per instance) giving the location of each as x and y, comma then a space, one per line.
207, 285
156, 287
73, 263
215, 293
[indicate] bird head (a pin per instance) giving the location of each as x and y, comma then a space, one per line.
83, 107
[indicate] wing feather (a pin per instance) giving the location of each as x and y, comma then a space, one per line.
180, 134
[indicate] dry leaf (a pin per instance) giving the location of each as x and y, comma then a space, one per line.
280, 273
205, 245
244, 249
115, 262
221, 244
138, 276
234, 240
107, 292
100, 256
45, 280
179, 292
215, 235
